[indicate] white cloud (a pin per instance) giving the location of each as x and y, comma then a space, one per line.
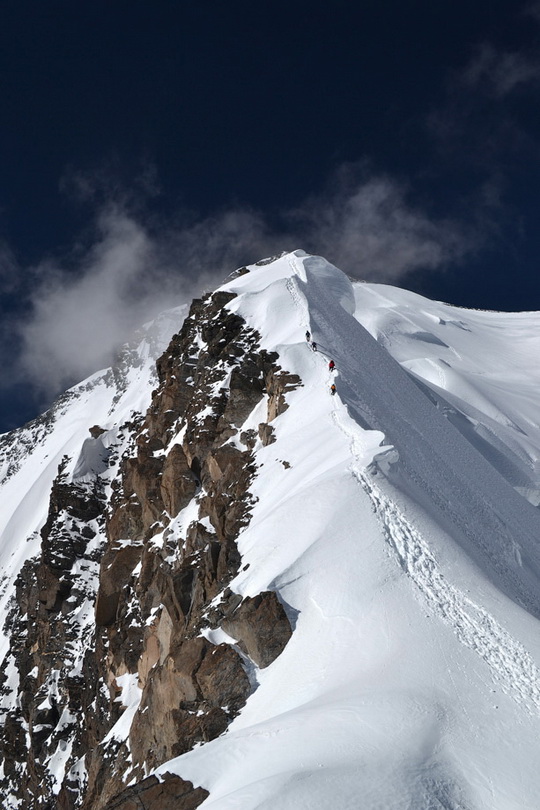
77, 318
81, 312
80, 315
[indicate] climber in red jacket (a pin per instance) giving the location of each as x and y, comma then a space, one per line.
331, 365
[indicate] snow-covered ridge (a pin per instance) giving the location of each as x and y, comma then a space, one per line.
391, 520
397, 522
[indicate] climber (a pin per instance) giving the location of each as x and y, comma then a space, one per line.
314, 346
331, 365
333, 389
308, 335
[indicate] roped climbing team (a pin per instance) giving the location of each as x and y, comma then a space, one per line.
331, 364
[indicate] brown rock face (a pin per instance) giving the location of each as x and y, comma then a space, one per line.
116, 572
260, 626
172, 793
278, 382
188, 699
178, 483
154, 555
266, 434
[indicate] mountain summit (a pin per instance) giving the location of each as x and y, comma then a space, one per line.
285, 554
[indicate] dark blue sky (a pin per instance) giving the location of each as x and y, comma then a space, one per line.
416, 123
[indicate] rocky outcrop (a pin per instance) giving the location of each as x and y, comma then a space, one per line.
260, 626
190, 698
52, 611
133, 578
172, 793
278, 383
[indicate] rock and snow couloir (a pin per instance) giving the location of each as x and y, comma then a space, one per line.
396, 522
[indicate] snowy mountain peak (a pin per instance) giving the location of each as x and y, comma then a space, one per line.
303, 571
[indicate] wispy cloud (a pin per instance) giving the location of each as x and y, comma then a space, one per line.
80, 314
498, 72
81, 308
372, 230
483, 137
475, 123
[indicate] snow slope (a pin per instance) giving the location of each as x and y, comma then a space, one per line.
396, 522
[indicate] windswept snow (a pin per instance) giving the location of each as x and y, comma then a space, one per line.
394, 521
